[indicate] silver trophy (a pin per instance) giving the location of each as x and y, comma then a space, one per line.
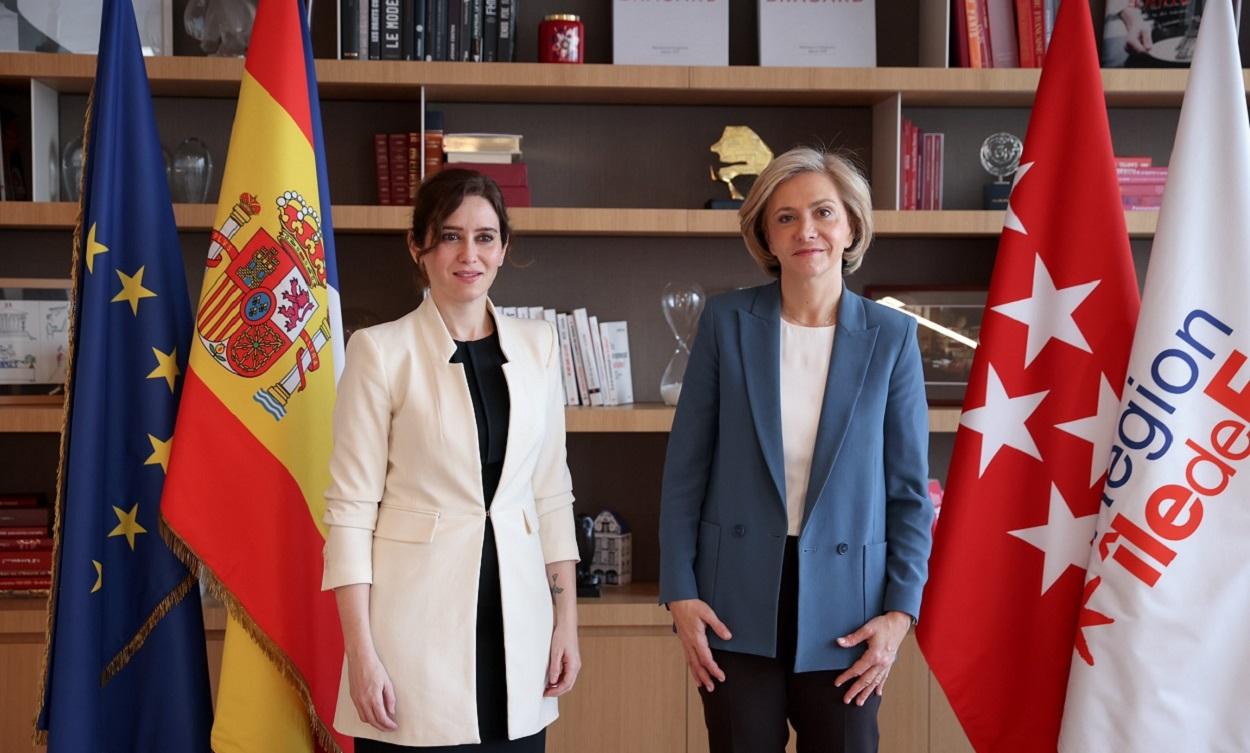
1000, 156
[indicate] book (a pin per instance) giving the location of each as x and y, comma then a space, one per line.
516, 196
475, 46
25, 582
512, 174
818, 34
26, 517
416, 152
436, 28
693, 32
506, 31
349, 29
397, 161
432, 149
490, 30
26, 561
579, 363
493, 158
601, 363
406, 29
1142, 189
454, 10
1004, 52
22, 500
382, 165
483, 142
566, 361
35, 543
375, 29
1133, 162
390, 44
8, 532
1170, 25
584, 347
615, 336
418, 29
536, 312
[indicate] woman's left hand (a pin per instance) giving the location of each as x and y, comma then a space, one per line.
565, 661
884, 634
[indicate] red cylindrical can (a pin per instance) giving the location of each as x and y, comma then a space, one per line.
560, 39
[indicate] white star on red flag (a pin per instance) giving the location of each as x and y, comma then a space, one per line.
1001, 420
1011, 221
1048, 312
1097, 429
1064, 539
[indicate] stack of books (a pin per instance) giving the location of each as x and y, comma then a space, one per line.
920, 168
1141, 183
25, 543
398, 158
456, 30
594, 355
496, 155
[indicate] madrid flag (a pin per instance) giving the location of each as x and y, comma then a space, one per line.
1007, 569
248, 469
1163, 663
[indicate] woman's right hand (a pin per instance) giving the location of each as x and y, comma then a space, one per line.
692, 618
371, 691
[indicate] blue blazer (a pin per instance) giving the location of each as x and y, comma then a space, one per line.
864, 544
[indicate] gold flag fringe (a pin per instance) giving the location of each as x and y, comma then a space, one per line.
40, 736
321, 732
170, 601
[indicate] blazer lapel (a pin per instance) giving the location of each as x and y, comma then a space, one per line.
514, 375
759, 332
852, 352
452, 401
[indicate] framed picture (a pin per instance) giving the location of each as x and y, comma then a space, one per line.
74, 25
34, 339
949, 328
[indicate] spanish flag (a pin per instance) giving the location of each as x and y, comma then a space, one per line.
248, 467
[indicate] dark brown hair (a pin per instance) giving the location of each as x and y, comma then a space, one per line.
440, 196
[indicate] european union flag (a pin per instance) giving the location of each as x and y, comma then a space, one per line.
126, 668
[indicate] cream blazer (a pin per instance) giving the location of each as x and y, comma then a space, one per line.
406, 513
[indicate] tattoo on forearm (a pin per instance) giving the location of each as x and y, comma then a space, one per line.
555, 589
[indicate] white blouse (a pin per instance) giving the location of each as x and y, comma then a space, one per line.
805, 354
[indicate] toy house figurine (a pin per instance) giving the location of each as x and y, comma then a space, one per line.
613, 560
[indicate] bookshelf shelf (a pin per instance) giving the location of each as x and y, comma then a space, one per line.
557, 221
611, 84
639, 418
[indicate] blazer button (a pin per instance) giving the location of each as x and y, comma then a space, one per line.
843, 548
740, 531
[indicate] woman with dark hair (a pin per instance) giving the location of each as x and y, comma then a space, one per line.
451, 541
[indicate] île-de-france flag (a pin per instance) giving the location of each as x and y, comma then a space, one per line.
1025, 481
1163, 660
125, 668
250, 459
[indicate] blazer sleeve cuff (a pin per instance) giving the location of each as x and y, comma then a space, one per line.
348, 557
557, 530
906, 603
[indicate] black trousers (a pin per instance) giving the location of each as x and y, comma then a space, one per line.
748, 712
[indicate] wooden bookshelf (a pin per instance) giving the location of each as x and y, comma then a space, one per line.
611, 84
637, 418
557, 221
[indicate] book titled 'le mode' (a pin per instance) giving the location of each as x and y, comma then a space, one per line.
670, 32
836, 33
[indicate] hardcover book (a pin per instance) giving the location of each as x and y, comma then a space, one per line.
824, 33
661, 32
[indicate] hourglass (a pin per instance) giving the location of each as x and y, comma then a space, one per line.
682, 305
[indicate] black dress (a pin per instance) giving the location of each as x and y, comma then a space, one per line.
483, 368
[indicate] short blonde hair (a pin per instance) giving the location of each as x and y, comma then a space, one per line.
852, 187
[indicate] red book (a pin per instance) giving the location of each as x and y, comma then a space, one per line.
21, 500
1038, 15
382, 164
1131, 175
26, 545
515, 196
1142, 202
1142, 189
433, 152
26, 562
963, 56
25, 582
513, 175
25, 516
907, 190
1133, 162
1024, 487
22, 532
414, 165
1024, 33
397, 156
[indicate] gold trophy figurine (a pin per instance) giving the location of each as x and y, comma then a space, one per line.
745, 154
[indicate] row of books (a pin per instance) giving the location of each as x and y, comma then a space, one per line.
457, 30
920, 168
398, 158
594, 355
1002, 33
1141, 182
25, 543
